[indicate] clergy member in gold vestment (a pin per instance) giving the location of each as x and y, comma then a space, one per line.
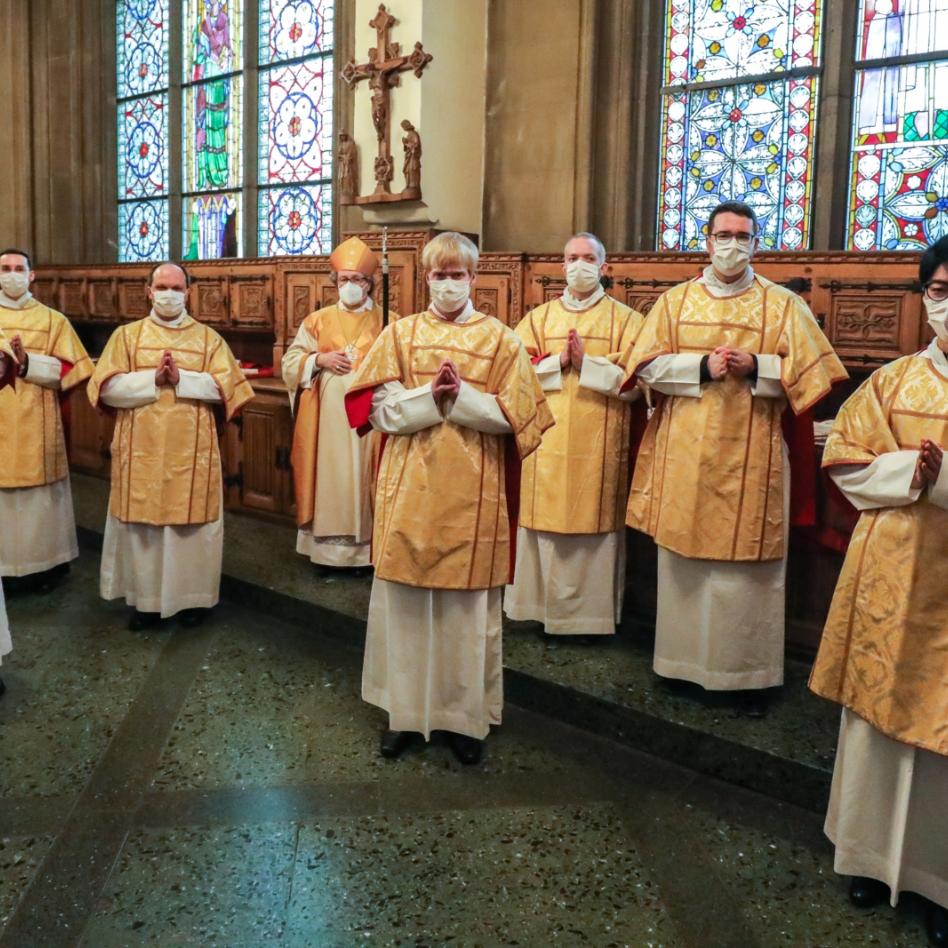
727, 351
458, 400
570, 572
332, 465
165, 376
39, 539
884, 653
8, 368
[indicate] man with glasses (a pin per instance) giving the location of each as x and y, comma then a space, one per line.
884, 652
332, 465
727, 352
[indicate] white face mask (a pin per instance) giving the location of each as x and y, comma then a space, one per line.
937, 313
168, 304
582, 276
351, 294
729, 257
449, 295
14, 284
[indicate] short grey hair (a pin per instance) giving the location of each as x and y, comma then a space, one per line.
596, 242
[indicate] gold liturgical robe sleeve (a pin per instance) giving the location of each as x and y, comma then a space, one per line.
709, 481
166, 467
884, 651
441, 519
31, 413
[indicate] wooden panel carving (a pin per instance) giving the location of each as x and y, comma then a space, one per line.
46, 290
866, 322
133, 301
486, 301
72, 299
251, 299
209, 301
102, 299
260, 468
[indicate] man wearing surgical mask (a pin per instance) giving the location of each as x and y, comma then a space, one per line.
570, 569
884, 652
728, 352
170, 381
39, 539
332, 465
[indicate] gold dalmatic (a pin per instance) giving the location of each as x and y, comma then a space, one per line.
32, 420
333, 329
577, 481
884, 652
441, 517
166, 463
708, 480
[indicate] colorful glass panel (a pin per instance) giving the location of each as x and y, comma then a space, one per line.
212, 37
141, 47
898, 196
901, 28
142, 144
212, 226
711, 40
296, 122
290, 29
295, 220
213, 143
143, 231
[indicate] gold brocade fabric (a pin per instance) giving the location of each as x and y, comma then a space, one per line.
32, 420
884, 651
708, 481
10, 376
441, 510
577, 481
166, 464
329, 329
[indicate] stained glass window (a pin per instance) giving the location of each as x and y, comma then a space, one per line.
898, 197
738, 117
294, 173
141, 113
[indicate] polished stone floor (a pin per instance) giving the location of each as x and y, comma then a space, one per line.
220, 786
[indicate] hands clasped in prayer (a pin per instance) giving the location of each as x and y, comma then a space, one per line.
574, 352
928, 466
726, 361
167, 372
447, 384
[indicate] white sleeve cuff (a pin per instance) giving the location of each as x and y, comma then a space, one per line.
768, 384
600, 375
674, 374
310, 371
479, 411
938, 492
550, 373
199, 386
400, 411
43, 370
886, 482
130, 389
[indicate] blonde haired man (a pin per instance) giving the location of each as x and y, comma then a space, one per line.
454, 391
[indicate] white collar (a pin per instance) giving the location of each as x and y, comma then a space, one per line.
717, 287
937, 357
363, 307
575, 305
21, 303
168, 323
464, 316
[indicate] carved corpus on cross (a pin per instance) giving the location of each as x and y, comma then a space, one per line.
383, 70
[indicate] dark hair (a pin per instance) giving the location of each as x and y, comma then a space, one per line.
932, 259
733, 207
151, 274
22, 253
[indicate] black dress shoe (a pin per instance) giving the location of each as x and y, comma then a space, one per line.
755, 702
191, 618
467, 750
865, 893
394, 742
143, 620
937, 925
3, 687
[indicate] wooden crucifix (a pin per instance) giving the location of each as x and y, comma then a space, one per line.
383, 70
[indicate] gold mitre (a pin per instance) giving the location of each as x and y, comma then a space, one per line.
354, 254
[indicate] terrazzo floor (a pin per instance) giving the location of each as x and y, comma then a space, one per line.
221, 786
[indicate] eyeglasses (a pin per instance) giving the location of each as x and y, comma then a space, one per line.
343, 280
936, 291
742, 240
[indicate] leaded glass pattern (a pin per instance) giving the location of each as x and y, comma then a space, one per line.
898, 198
295, 162
212, 226
723, 139
142, 128
212, 35
212, 139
